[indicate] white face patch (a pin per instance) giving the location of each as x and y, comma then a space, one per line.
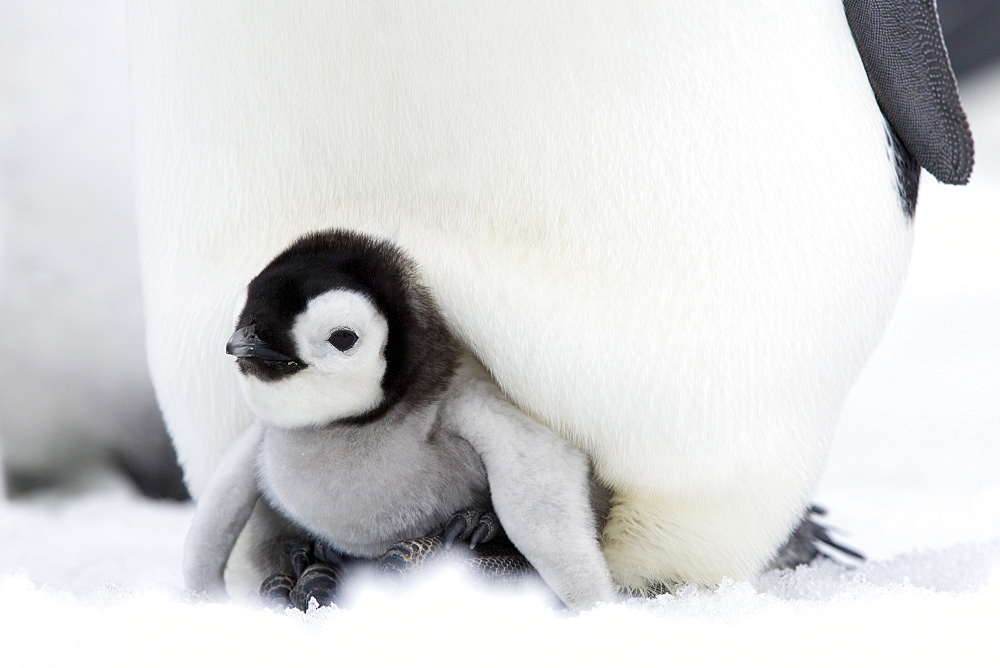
334, 311
337, 383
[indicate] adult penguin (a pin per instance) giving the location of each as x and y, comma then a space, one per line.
672, 231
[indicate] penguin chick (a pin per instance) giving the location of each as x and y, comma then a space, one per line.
374, 427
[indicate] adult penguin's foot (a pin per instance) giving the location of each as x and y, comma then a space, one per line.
473, 525
496, 560
408, 555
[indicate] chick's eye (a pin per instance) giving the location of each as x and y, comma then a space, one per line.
343, 339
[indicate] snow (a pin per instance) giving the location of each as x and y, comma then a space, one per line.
93, 576
96, 579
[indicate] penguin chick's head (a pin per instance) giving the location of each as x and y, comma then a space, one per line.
338, 328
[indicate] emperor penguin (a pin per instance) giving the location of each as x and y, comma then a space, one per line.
373, 427
672, 232
79, 418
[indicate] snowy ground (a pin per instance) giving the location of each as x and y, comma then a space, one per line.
94, 580
914, 480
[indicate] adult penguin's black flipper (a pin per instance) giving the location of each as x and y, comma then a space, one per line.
904, 54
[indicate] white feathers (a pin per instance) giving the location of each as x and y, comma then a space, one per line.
710, 178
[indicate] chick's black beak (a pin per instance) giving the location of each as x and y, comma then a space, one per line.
245, 343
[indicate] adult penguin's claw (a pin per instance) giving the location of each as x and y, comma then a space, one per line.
487, 529
473, 525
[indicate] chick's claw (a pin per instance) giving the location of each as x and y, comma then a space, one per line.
276, 590
300, 556
318, 582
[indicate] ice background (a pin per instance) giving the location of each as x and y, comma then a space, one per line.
90, 570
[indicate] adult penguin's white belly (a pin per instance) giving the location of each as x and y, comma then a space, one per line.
672, 231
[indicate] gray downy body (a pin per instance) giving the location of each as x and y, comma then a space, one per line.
363, 488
